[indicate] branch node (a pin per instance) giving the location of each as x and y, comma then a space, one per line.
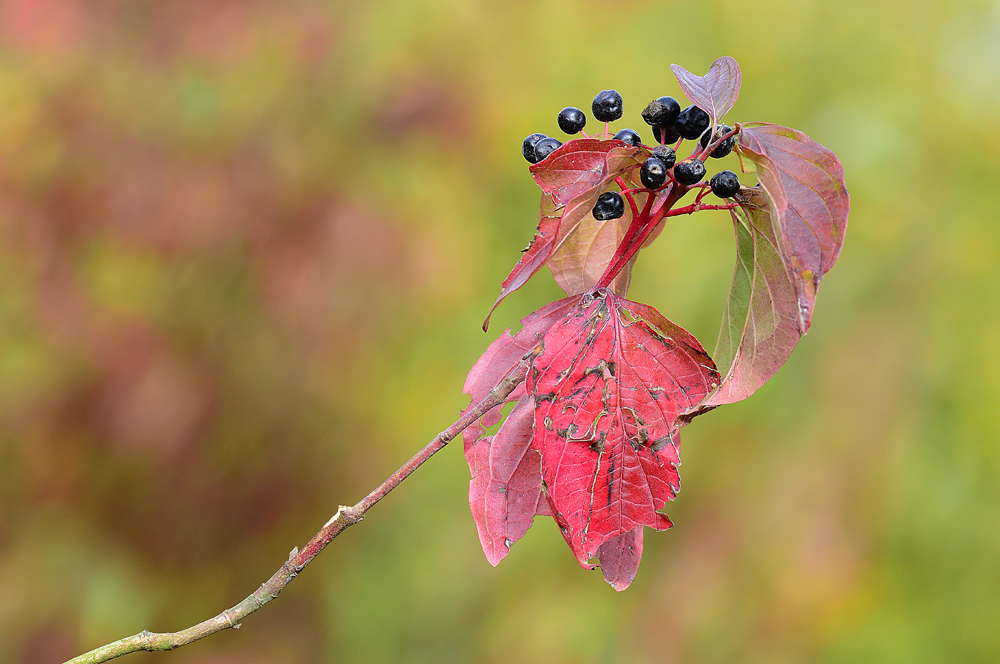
294, 552
231, 620
343, 509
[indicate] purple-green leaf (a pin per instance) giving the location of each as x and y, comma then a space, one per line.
809, 204
715, 92
760, 324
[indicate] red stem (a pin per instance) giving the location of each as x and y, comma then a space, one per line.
638, 231
697, 206
627, 193
710, 148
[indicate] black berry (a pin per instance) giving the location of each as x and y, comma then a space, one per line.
666, 154
691, 122
545, 147
630, 137
607, 106
653, 173
610, 205
689, 171
665, 135
726, 146
572, 120
661, 112
528, 147
725, 184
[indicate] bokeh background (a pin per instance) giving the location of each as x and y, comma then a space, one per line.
245, 250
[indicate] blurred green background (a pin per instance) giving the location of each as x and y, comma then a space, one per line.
245, 249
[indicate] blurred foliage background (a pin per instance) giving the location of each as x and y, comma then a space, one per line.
245, 249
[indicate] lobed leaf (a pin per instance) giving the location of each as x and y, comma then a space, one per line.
715, 92
760, 323
809, 204
610, 393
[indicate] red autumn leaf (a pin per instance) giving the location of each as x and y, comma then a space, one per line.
612, 384
583, 164
715, 92
572, 178
505, 490
809, 204
760, 325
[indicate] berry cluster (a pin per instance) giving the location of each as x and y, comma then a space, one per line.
670, 124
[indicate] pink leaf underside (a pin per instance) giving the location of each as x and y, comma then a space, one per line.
579, 263
810, 203
715, 92
610, 385
760, 323
505, 490
619, 558
506, 486
571, 179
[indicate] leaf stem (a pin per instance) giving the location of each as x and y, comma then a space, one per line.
297, 560
710, 147
697, 206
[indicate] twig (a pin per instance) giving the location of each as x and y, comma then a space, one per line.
297, 560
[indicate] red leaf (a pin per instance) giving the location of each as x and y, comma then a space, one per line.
809, 201
715, 92
611, 391
572, 178
505, 490
760, 324
581, 165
